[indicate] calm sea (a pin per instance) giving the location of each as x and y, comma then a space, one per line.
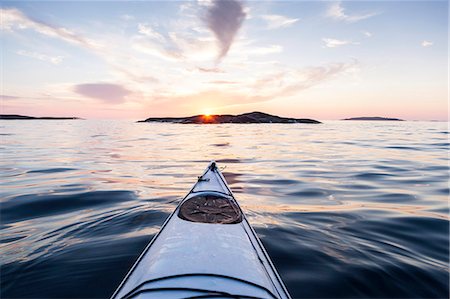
345, 209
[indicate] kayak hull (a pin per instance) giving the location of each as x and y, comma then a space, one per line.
218, 253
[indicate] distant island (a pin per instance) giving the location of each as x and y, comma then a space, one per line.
24, 117
374, 118
246, 118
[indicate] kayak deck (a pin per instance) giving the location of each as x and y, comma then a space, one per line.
205, 249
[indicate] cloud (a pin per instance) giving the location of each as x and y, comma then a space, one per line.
107, 92
272, 86
265, 50
184, 7
277, 21
334, 43
126, 17
42, 57
225, 82
367, 33
210, 70
197, 101
293, 82
426, 43
13, 20
148, 81
207, 3
337, 12
176, 46
193, 47
148, 31
224, 18
135, 75
4, 97
158, 50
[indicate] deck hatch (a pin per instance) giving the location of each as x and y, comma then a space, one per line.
210, 209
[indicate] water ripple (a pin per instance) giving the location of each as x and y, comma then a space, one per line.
345, 210
28, 206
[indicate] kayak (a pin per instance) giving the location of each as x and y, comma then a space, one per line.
205, 249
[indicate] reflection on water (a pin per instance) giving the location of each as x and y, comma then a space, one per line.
345, 209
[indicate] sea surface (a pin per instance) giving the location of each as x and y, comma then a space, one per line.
344, 208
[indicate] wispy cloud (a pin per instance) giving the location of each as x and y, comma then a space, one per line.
293, 81
177, 45
265, 50
426, 43
158, 50
178, 50
127, 17
14, 20
224, 18
194, 47
135, 75
5, 97
148, 31
272, 86
42, 57
223, 82
337, 12
277, 21
210, 70
367, 33
334, 43
107, 92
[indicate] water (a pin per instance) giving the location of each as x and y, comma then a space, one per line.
345, 209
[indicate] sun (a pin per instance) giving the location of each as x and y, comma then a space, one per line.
206, 112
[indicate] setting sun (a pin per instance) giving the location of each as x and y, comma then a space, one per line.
207, 113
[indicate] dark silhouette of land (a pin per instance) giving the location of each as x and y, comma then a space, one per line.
374, 118
24, 117
246, 118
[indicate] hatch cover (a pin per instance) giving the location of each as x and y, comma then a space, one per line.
210, 209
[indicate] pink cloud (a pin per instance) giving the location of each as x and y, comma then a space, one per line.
107, 92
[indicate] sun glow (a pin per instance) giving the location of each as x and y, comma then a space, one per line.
207, 113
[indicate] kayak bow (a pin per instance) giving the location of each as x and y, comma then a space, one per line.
205, 249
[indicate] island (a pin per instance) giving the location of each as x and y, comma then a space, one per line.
374, 118
24, 117
246, 118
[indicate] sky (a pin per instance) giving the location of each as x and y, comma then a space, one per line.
136, 59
